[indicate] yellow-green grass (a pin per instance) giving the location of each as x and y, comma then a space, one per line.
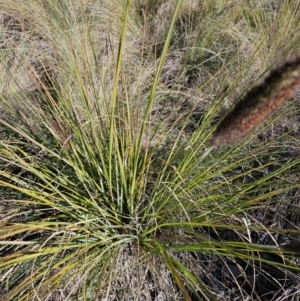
107, 188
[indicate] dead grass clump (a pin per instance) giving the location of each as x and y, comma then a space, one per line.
12, 25
29, 57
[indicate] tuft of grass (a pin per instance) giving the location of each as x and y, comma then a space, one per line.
107, 190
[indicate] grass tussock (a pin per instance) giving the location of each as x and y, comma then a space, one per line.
109, 189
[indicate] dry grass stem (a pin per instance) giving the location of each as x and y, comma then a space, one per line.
25, 120
259, 103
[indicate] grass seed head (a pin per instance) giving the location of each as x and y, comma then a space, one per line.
259, 103
61, 132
